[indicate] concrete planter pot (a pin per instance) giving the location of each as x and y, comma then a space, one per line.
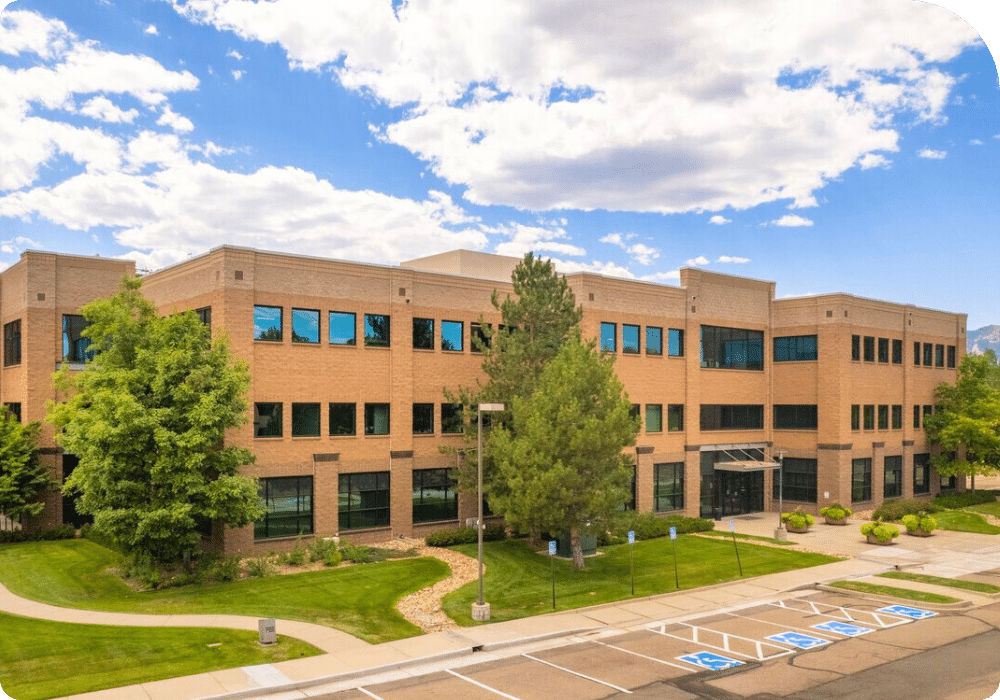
796, 530
874, 540
919, 533
831, 521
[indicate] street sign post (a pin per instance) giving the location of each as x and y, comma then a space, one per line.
552, 568
732, 529
673, 543
631, 559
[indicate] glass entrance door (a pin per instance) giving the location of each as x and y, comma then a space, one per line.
739, 492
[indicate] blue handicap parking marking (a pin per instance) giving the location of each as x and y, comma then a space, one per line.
907, 611
802, 641
713, 662
843, 628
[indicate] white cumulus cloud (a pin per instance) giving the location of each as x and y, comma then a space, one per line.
873, 160
719, 220
792, 220
151, 29
932, 154
700, 260
732, 259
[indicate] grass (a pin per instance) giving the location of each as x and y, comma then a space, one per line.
975, 586
964, 521
893, 592
750, 538
989, 508
43, 659
358, 599
518, 582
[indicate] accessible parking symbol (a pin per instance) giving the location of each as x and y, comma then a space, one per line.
907, 611
713, 662
843, 628
802, 641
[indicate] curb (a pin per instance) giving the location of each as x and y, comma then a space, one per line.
940, 607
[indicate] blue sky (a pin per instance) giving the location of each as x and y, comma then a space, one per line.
829, 146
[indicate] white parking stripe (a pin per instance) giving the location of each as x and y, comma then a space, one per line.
369, 694
651, 658
482, 685
581, 675
804, 630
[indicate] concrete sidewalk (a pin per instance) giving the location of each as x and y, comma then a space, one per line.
348, 659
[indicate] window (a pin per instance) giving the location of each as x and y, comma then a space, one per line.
305, 326
928, 410
434, 495
451, 418
916, 353
635, 411
204, 315
893, 487
916, 416
883, 350
732, 348
948, 483
288, 507
423, 334
675, 342
15, 409
856, 348
883, 417
869, 416
630, 339
675, 417
12, 343
797, 480
451, 335
861, 480
795, 348
951, 355
869, 348
305, 420
897, 352
795, 417
76, 348
731, 417
478, 336
267, 420
267, 323
342, 328
856, 417
630, 504
921, 473
343, 419
654, 418
928, 354
939, 355
423, 418
609, 332
668, 486
376, 330
376, 419
363, 500
897, 417
654, 340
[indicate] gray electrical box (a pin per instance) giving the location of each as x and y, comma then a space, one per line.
268, 634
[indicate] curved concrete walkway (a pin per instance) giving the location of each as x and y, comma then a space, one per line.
321, 637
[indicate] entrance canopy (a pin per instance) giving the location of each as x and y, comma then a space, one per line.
742, 458
746, 466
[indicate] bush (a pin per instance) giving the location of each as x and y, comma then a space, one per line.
920, 521
883, 532
332, 557
798, 519
896, 509
259, 567
98, 536
964, 500
62, 532
142, 568
835, 511
321, 548
226, 569
648, 526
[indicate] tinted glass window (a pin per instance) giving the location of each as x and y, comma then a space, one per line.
377, 330
343, 419
267, 323
342, 328
654, 340
305, 326
423, 333
451, 335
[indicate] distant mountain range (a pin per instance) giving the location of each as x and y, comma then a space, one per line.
978, 341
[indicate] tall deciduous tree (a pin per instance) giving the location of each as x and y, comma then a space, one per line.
967, 415
146, 419
561, 456
23, 479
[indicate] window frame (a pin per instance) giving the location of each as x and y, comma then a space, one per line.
257, 415
371, 419
675, 341
897, 416
654, 342
797, 480
868, 348
447, 344
795, 417
861, 488
377, 515
424, 338
922, 465
731, 417
419, 477
452, 419
375, 341
654, 411
795, 348
717, 340
295, 336
423, 407
883, 351
951, 357
627, 349
479, 341
868, 416
302, 406
938, 355
668, 499
856, 348
12, 343
259, 336
609, 343
883, 416
74, 337
928, 354
892, 464
675, 418
337, 412
897, 351
261, 528
855, 416
352, 341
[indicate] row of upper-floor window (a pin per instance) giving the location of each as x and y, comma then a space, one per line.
885, 416
871, 349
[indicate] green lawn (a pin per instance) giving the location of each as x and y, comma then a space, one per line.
990, 508
518, 583
749, 538
892, 591
964, 521
356, 599
976, 586
43, 659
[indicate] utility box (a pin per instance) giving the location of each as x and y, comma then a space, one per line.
588, 543
268, 632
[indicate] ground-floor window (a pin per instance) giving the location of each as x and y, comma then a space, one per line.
948, 483
630, 503
799, 477
434, 495
922, 473
288, 504
363, 500
893, 487
861, 480
668, 486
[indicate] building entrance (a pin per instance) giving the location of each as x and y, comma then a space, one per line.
726, 493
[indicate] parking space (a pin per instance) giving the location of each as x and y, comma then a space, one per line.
836, 632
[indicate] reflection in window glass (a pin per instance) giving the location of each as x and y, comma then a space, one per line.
288, 507
630, 339
609, 331
343, 419
451, 335
434, 495
451, 418
363, 500
305, 326
654, 340
267, 419
675, 346
267, 323
376, 419
342, 329
423, 333
76, 348
305, 420
377, 330
423, 418
654, 418
668, 486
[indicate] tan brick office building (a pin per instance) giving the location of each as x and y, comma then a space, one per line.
349, 362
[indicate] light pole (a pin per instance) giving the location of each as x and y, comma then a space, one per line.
779, 532
481, 609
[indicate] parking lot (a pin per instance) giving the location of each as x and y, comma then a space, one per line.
778, 648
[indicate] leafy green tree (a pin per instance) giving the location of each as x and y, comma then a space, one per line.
147, 419
967, 415
561, 456
23, 478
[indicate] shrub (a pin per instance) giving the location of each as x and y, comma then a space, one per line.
98, 536
648, 526
226, 569
896, 509
835, 511
259, 567
883, 532
798, 519
62, 532
332, 557
321, 548
964, 500
296, 557
494, 532
920, 521
142, 568
452, 536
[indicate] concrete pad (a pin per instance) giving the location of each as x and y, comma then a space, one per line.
433, 687
532, 680
607, 663
777, 678
612, 615
716, 596
932, 632
427, 645
850, 656
375, 657
232, 680
199, 686
649, 609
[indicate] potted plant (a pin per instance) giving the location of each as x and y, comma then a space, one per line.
798, 520
919, 525
835, 514
879, 532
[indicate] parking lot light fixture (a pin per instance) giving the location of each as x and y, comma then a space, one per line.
481, 609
